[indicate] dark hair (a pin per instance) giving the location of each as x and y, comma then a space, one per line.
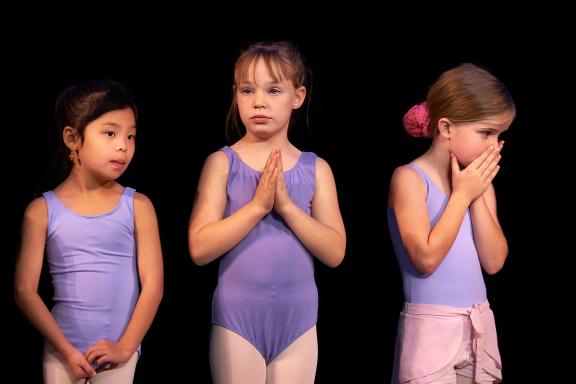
83, 103
467, 93
283, 61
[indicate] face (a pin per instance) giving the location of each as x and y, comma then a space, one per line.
265, 105
109, 144
469, 140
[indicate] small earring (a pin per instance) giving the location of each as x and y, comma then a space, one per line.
71, 156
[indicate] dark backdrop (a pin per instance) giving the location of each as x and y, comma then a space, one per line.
363, 82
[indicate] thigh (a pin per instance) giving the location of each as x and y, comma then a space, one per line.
464, 380
297, 363
122, 374
234, 360
55, 370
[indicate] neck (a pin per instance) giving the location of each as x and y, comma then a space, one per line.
266, 144
438, 158
85, 184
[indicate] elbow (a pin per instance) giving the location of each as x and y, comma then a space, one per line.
336, 261
426, 268
494, 267
22, 295
493, 270
337, 256
197, 254
425, 264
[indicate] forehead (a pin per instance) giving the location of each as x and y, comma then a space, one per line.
499, 122
267, 67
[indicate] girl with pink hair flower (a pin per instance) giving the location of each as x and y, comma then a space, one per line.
445, 230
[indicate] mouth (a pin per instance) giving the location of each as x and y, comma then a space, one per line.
118, 163
258, 119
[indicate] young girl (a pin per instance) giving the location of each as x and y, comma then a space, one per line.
267, 208
102, 244
444, 227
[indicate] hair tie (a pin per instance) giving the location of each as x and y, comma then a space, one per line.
417, 120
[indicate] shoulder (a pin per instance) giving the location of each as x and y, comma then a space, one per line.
406, 173
142, 203
407, 178
217, 161
37, 211
322, 166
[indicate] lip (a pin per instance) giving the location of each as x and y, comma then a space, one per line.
260, 119
118, 163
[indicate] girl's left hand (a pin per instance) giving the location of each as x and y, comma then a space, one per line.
107, 354
282, 199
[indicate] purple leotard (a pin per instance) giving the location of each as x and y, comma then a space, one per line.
92, 261
266, 291
458, 280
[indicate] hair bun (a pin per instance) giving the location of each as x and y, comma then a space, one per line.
417, 120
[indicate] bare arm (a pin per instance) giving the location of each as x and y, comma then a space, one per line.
150, 269
427, 247
26, 279
209, 234
322, 233
488, 235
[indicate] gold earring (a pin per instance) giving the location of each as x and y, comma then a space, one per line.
71, 156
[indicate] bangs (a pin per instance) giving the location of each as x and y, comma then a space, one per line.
246, 67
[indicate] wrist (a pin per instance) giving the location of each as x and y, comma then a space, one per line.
285, 209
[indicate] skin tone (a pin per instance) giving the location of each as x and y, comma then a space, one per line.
90, 189
462, 161
265, 107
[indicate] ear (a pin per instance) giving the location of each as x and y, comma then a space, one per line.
299, 97
444, 128
71, 138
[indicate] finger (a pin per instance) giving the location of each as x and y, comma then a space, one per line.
494, 173
480, 162
102, 362
271, 164
454, 164
88, 369
274, 178
489, 162
487, 170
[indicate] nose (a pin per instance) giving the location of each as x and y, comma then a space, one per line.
259, 101
122, 145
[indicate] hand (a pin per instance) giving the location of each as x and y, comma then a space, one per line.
473, 180
79, 365
281, 197
107, 354
264, 196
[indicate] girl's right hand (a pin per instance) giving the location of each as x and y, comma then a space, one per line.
472, 181
264, 196
79, 365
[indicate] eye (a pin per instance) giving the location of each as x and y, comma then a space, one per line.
275, 91
110, 133
246, 91
131, 137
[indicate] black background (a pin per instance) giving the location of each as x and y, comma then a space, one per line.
364, 79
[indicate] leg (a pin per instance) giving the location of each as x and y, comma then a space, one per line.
464, 380
234, 360
123, 373
55, 369
297, 363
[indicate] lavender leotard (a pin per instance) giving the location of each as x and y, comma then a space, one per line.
92, 261
266, 291
458, 280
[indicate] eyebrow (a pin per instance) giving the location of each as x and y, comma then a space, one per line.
112, 124
248, 82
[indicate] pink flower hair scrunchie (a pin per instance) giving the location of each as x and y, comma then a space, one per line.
417, 120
